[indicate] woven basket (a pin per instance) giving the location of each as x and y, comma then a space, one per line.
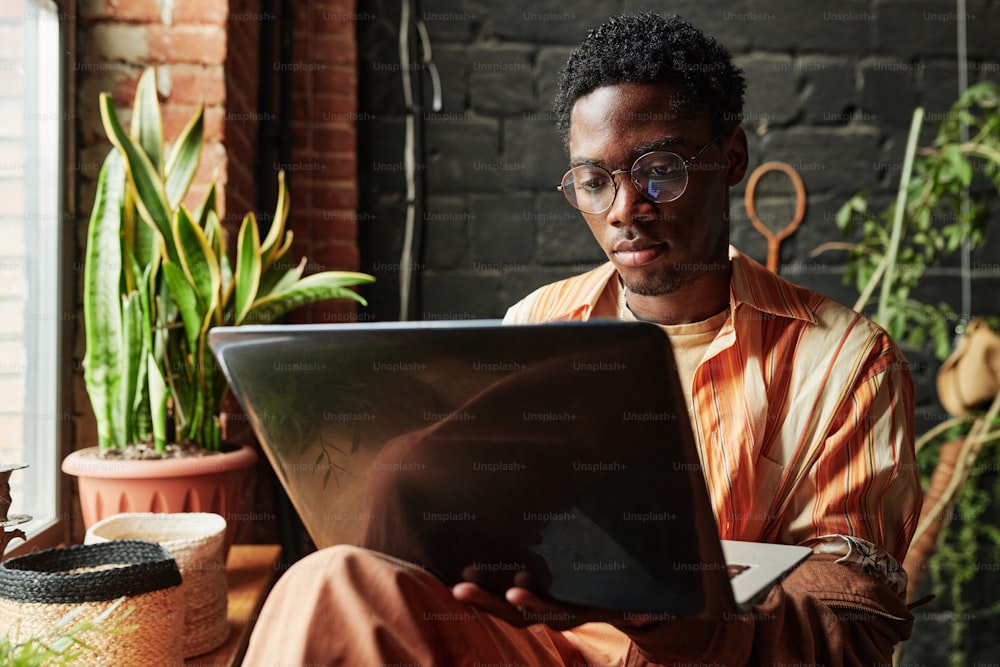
195, 540
39, 589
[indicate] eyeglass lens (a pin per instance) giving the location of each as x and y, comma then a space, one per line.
659, 176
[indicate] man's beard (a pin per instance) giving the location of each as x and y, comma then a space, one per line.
657, 284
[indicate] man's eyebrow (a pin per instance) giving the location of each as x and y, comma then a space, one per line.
671, 142
664, 143
587, 161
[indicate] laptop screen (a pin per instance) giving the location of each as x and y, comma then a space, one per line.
558, 456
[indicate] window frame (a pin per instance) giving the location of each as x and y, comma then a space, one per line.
54, 530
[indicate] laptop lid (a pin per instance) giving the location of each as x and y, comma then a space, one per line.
556, 456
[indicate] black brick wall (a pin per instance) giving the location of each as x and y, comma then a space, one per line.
831, 90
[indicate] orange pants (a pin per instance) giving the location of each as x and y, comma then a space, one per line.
350, 606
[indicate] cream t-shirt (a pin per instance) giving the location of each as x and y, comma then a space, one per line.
690, 342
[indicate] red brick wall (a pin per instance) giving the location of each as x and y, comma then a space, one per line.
323, 166
246, 20
187, 44
210, 51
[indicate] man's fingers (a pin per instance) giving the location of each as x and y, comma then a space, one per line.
520, 607
556, 615
472, 594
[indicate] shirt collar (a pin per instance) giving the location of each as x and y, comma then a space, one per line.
750, 285
754, 286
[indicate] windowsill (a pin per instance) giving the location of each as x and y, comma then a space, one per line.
47, 536
251, 570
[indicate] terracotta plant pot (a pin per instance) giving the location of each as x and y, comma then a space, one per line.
214, 483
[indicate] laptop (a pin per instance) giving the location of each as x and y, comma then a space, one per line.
556, 456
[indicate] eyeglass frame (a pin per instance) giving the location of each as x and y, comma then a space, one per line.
614, 181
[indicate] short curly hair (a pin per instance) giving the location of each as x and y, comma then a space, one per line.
649, 48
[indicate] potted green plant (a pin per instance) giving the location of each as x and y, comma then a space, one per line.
942, 201
156, 278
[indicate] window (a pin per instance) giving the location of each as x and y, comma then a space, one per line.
31, 311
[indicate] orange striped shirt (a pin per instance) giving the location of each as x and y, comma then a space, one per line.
803, 410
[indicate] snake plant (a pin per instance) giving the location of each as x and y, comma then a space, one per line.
157, 277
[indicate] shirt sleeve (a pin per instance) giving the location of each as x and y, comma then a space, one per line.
863, 481
823, 614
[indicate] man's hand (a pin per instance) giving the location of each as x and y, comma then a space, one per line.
520, 607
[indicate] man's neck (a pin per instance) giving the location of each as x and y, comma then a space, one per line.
705, 296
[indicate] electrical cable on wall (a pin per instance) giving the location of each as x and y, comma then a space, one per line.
425, 45
409, 161
963, 84
407, 258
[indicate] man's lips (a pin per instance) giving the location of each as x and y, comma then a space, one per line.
638, 252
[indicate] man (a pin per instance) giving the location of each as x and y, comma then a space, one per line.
802, 409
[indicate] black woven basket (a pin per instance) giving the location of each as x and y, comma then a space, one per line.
38, 590
70, 574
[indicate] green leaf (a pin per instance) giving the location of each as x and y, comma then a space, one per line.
208, 205
278, 253
186, 297
226, 272
143, 415
963, 169
184, 159
131, 361
181, 380
317, 287
248, 267
270, 248
208, 220
151, 198
957, 167
101, 302
855, 207
141, 238
280, 277
198, 260
147, 125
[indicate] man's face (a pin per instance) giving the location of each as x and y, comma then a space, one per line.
657, 248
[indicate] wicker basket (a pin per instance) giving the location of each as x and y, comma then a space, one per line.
195, 539
39, 589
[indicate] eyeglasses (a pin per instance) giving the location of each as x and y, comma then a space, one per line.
659, 176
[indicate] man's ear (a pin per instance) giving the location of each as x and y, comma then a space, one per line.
737, 155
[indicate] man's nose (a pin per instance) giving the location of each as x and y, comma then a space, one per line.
627, 200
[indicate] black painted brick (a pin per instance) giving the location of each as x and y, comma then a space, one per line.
450, 21
446, 232
823, 26
724, 15
519, 284
889, 91
501, 79
772, 89
911, 29
828, 160
830, 93
564, 238
459, 295
536, 145
551, 60
503, 230
455, 148
550, 21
